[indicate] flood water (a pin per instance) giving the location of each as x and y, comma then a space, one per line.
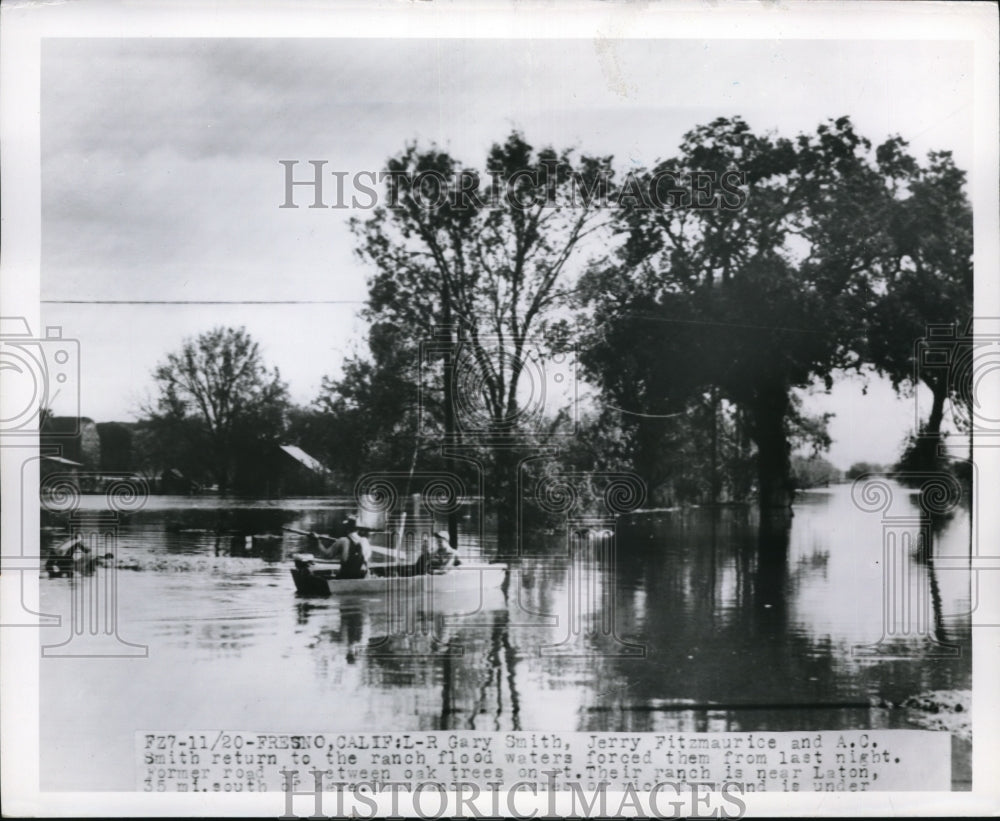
681, 626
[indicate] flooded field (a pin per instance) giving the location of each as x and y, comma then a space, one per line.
677, 625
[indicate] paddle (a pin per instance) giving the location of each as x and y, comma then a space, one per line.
385, 551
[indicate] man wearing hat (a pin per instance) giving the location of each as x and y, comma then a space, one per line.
432, 560
443, 555
356, 552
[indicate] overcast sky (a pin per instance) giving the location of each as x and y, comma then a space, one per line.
161, 178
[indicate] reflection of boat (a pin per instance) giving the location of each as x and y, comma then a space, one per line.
317, 577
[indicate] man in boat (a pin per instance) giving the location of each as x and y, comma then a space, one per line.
431, 560
443, 555
355, 551
438, 558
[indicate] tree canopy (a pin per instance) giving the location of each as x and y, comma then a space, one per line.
923, 318
704, 294
472, 269
217, 397
449, 252
780, 293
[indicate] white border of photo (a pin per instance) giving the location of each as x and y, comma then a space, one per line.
24, 24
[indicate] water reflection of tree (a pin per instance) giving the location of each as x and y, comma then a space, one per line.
474, 671
770, 599
937, 608
499, 663
720, 635
468, 669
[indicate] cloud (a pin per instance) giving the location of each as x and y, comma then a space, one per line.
160, 173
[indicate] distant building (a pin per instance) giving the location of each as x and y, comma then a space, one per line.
172, 482
52, 465
73, 438
96, 453
299, 474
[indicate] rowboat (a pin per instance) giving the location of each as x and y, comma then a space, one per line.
317, 577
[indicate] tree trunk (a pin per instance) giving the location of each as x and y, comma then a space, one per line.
648, 459
927, 456
449, 427
774, 483
937, 410
504, 494
221, 473
714, 479
449, 404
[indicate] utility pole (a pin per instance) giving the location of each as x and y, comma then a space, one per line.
715, 446
449, 401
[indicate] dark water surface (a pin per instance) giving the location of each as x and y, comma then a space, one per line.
681, 627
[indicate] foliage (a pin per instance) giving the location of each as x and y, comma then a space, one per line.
116, 446
491, 268
473, 280
377, 416
921, 328
813, 471
930, 284
753, 301
220, 410
861, 468
699, 321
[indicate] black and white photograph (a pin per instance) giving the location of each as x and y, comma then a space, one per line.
568, 406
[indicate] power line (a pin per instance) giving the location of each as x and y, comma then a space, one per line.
202, 301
